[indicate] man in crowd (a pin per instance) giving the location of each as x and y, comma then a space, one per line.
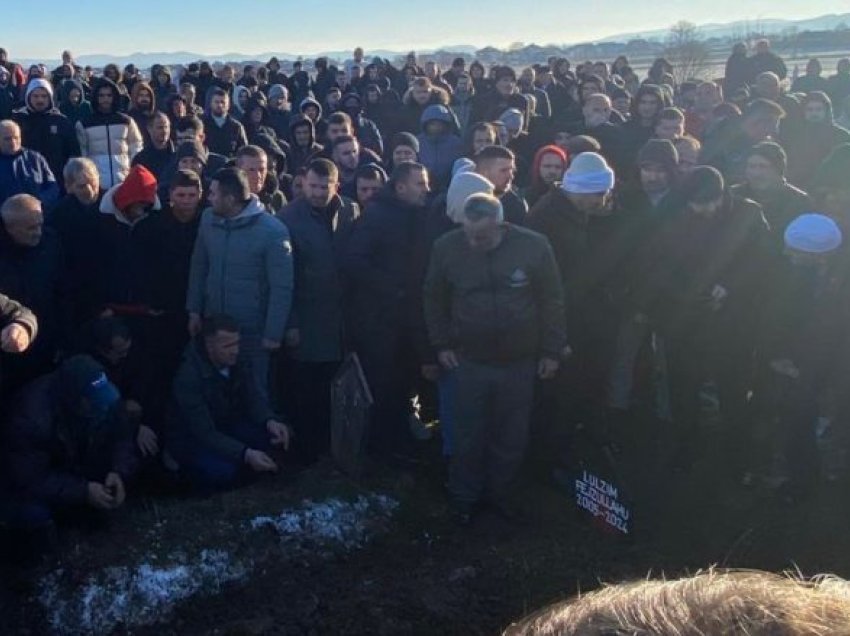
67, 446
32, 270
380, 266
44, 129
320, 224
242, 266
253, 161
369, 181
219, 422
224, 135
24, 171
108, 137
495, 316
159, 152
498, 166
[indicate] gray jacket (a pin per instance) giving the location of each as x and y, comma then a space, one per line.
242, 267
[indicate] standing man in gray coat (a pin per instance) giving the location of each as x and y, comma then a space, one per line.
320, 223
242, 266
494, 308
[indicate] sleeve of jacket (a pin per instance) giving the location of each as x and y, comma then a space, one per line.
194, 413
241, 137
279, 272
30, 464
82, 139
550, 302
70, 142
436, 301
198, 272
48, 189
12, 311
135, 141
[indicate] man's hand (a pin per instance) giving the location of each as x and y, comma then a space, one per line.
194, 324
431, 372
547, 367
259, 461
271, 345
448, 359
115, 485
100, 497
279, 432
147, 441
292, 338
15, 338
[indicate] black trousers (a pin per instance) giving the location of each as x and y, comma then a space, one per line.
307, 395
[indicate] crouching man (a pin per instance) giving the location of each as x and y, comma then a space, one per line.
68, 445
220, 423
494, 310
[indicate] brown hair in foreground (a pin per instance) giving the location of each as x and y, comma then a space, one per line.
748, 603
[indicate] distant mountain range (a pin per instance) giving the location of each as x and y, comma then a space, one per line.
728, 30
743, 27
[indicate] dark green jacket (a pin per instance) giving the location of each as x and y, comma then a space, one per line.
498, 306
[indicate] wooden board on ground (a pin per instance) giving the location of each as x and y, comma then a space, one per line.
351, 402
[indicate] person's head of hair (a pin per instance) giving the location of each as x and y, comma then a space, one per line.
340, 118
578, 144
761, 119
232, 183
23, 219
254, 152
111, 338
406, 180
185, 179
324, 168
81, 171
372, 172
482, 206
711, 602
189, 122
217, 323
497, 164
491, 153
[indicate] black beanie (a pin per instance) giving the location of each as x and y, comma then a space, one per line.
662, 152
194, 149
703, 184
404, 139
772, 152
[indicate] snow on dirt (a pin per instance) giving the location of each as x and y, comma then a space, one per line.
330, 522
146, 593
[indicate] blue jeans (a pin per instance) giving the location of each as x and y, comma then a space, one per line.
206, 469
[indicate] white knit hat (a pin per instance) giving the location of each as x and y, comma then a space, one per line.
588, 173
463, 186
813, 233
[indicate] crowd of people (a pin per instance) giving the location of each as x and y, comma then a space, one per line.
186, 260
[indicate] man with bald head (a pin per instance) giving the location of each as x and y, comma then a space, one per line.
32, 272
23, 171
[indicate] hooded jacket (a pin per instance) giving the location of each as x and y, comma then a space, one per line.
439, 152
48, 132
278, 119
242, 266
809, 143
142, 116
74, 112
299, 155
110, 139
52, 453
365, 130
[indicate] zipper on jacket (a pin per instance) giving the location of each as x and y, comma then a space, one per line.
109, 154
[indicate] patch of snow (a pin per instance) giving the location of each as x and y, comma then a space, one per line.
347, 524
133, 596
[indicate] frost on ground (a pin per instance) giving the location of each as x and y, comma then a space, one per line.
332, 522
145, 594
138, 595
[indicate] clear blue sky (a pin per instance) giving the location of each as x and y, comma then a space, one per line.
210, 27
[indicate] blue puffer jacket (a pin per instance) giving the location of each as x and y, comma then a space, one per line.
439, 152
242, 267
